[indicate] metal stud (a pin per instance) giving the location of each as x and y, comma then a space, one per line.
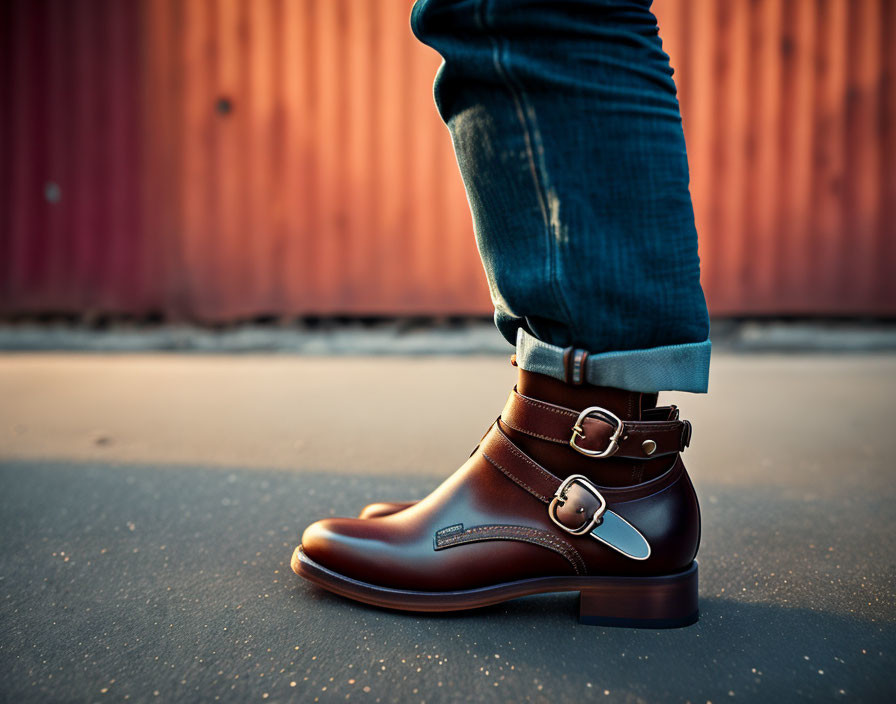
649, 447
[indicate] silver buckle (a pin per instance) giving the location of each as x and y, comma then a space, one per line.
560, 499
577, 431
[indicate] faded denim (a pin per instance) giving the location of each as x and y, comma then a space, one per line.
568, 135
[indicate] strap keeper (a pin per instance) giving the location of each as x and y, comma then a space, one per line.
686, 434
574, 366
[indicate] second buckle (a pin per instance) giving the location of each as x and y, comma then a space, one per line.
560, 499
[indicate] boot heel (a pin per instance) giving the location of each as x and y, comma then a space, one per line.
669, 601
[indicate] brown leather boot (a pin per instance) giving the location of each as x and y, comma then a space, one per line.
574, 488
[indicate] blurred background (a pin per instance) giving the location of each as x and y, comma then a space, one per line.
216, 160
271, 176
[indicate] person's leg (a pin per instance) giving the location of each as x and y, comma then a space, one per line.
567, 131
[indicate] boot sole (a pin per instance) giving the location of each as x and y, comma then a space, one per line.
666, 601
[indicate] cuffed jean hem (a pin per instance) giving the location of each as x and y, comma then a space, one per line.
683, 367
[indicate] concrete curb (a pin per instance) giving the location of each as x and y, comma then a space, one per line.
398, 338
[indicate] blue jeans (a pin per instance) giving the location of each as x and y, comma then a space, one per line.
568, 135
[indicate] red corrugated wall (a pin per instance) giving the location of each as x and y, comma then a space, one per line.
72, 232
218, 159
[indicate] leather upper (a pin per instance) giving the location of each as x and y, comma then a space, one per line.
489, 522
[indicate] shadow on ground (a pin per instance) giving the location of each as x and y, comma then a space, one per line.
156, 584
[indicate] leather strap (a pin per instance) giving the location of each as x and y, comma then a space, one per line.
638, 439
580, 499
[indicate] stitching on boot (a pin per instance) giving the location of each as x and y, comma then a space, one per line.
517, 481
547, 407
512, 448
528, 460
529, 432
511, 532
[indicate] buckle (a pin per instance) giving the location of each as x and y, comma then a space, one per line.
604, 415
560, 499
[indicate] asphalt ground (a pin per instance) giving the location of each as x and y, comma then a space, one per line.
149, 506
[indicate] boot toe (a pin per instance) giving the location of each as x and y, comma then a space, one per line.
375, 551
324, 541
344, 545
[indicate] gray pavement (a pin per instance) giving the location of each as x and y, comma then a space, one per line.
149, 505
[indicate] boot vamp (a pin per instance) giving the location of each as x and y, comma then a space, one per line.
480, 528
448, 541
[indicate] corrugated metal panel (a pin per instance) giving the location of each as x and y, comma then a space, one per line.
71, 235
324, 181
789, 110
223, 158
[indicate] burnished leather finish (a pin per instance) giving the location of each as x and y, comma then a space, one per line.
488, 524
553, 423
384, 508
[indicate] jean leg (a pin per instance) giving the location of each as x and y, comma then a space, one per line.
566, 126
